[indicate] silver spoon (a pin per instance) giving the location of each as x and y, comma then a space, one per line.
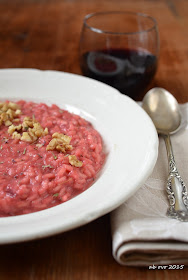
164, 111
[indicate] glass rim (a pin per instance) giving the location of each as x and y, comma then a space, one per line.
97, 30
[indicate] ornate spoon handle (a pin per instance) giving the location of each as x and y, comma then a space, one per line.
176, 189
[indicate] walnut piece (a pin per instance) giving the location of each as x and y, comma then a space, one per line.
74, 161
59, 142
16, 135
8, 123
30, 130
13, 106
27, 122
13, 128
28, 137
33, 130
8, 112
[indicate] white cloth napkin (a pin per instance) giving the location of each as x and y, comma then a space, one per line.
142, 235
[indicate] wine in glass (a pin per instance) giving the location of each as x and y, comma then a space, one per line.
120, 49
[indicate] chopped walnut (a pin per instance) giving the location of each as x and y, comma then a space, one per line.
74, 161
60, 142
16, 135
4, 108
13, 128
27, 122
28, 137
38, 130
13, 106
33, 128
46, 131
18, 112
8, 123
63, 137
29, 131
4, 117
52, 145
8, 112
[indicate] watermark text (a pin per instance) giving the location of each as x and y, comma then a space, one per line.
170, 266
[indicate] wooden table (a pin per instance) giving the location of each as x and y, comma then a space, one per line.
44, 34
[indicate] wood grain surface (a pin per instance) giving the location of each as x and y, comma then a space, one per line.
44, 34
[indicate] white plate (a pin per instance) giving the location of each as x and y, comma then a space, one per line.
130, 141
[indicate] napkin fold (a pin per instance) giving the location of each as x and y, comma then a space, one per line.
142, 234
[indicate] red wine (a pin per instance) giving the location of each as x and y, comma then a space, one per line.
128, 70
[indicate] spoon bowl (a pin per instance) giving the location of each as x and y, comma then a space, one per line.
164, 111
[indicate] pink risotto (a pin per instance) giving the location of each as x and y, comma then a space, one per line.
47, 166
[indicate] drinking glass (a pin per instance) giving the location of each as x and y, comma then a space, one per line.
120, 49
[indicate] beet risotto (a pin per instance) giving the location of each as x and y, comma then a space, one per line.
47, 156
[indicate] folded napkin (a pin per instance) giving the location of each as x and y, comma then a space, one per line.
142, 235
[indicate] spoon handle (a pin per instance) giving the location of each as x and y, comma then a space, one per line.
176, 189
